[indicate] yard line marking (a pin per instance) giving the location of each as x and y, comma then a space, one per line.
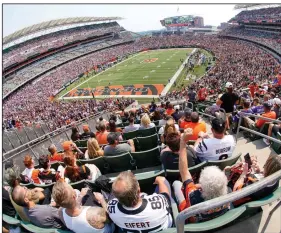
158, 66
145, 77
163, 62
152, 71
118, 69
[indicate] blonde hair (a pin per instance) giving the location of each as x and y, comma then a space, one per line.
62, 194
93, 148
145, 120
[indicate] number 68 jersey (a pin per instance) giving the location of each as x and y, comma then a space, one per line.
152, 215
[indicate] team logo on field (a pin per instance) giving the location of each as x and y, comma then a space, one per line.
151, 60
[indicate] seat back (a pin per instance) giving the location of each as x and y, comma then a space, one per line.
81, 143
130, 135
147, 132
146, 143
99, 162
226, 162
275, 146
148, 158
120, 163
78, 185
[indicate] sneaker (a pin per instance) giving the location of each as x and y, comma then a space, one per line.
266, 142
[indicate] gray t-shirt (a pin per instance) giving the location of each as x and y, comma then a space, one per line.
44, 216
118, 150
131, 128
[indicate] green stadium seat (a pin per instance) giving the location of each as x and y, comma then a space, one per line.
43, 186
83, 149
146, 143
120, 125
275, 146
120, 163
126, 124
19, 210
99, 162
131, 135
158, 128
147, 132
34, 229
148, 158
10, 220
226, 162
79, 184
156, 123
220, 221
81, 143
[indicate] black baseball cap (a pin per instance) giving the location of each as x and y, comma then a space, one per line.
267, 105
187, 112
218, 124
112, 137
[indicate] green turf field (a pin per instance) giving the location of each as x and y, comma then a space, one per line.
152, 67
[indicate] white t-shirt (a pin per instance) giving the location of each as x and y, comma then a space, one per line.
211, 149
152, 215
161, 130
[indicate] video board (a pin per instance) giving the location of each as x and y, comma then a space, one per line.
178, 21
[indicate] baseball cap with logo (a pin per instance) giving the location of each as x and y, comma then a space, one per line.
228, 85
218, 124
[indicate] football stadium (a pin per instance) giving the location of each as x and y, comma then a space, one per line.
172, 130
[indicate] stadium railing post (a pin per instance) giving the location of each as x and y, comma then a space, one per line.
238, 127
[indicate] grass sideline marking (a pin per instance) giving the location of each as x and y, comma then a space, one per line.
61, 98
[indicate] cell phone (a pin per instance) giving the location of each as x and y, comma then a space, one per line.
248, 160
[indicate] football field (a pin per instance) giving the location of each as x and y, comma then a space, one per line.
143, 74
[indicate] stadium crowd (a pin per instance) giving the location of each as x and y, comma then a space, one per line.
237, 62
55, 40
127, 206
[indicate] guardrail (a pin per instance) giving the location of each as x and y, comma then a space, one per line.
220, 201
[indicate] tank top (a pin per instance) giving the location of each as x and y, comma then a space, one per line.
80, 223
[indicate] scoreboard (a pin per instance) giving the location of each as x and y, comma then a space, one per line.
178, 21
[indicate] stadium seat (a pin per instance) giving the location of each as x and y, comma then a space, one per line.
10, 220
156, 123
226, 162
99, 162
55, 165
81, 143
34, 229
43, 186
126, 124
19, 210
120, 163
146, 143
148, 158
147, 132
131, 135
83, 149
275, 146
78, 185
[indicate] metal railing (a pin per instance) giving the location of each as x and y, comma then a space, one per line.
255, 132
220, 201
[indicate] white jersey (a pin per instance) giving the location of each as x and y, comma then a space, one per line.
152, 215
213, 149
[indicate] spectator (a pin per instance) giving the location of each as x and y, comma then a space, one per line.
146, 123
163, 121
191, 95
184, 123
212, 184
228, 100
170, 110
102, 135
260, 122
93, 149
177, 114
156, 116
55, 156
41, 215
112, 127
257, 108
86, 134
277, 107
253, 88
272, 129
75, 136
202, 93
170, 155
114, 148
133, 209
170, 127
196, 126
47, 175
71, 149
131, 126
236, 117
219, 147
30, 174
76, 218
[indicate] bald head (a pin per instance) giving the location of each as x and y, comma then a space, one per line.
52, 149
126, 189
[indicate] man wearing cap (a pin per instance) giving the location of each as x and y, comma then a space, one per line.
219, 147
260, 122
186, 121
86, 134
277, 107
228, 100
114, 148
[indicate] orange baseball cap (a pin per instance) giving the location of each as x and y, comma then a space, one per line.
66, 145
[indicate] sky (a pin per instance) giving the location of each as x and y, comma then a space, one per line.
137, 18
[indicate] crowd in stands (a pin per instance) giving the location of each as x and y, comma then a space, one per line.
270, 13
127, 206
55, 40
268, 38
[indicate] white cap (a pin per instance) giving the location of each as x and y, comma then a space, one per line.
228, 85
277, 101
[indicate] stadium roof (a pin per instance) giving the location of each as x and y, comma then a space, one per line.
244, 6
54, 23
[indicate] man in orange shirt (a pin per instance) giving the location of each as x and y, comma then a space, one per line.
260, 122
196, 126
55, 156
170, 110
186, 121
